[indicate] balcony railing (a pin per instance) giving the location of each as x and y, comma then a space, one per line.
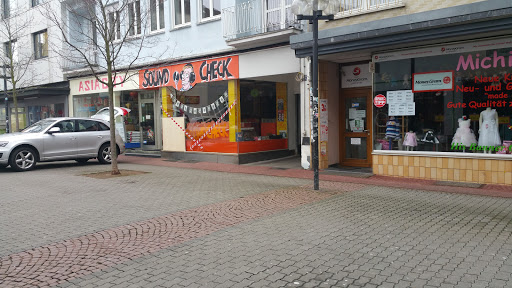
349, 8
250, 18
73, 60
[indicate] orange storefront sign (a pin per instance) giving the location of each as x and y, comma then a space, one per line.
184, 76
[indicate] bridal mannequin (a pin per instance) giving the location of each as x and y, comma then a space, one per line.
489, 135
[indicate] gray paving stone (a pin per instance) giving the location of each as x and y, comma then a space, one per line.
375, 236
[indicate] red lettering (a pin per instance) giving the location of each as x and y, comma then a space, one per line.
87, 86
81, 86
482, 79
464, 89
456, 105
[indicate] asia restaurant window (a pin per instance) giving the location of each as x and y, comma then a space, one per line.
472, 115
88, 105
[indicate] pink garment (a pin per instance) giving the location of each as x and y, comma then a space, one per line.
506, 148
410, 139
464, 135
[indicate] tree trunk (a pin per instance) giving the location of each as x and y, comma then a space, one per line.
113, 147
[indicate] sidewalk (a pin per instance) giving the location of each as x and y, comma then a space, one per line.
287, 168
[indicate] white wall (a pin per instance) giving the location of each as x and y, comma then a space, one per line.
274, 61
28, 20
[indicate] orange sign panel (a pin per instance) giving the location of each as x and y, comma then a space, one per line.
185, 76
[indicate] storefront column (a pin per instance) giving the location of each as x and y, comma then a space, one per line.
234, 114
282, 108
166, 102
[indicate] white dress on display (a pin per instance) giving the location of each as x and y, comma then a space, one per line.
489, 134
464, 135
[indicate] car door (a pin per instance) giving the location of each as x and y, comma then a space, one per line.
60, 145
89, 137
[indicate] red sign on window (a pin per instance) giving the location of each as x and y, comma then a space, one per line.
379, 101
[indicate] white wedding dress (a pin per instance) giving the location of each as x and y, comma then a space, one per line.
489, 134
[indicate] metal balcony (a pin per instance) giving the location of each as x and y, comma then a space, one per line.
348, 8
266, 22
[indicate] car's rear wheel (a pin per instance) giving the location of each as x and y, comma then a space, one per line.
23, 159
104, 154
82, 160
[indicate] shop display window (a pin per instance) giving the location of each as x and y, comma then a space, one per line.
88, 105
130, 100
467, 109
2, 119
36, 113
204, 108
214, 122
258, 110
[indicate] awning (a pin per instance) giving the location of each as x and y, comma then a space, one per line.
480, 19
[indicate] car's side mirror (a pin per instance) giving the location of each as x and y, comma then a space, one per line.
54, 130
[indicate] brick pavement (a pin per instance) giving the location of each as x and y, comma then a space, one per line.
430, 185
371, 237
76, 257
366, 236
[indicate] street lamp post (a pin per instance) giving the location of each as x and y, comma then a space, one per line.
299, 7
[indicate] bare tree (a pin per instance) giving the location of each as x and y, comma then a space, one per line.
17, 55
108, 37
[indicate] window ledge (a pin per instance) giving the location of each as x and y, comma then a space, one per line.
40, 58
356, 12
209, 19
443, 154
156, 32
183, 26
133, 37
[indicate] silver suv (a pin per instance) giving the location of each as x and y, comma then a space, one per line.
54, 139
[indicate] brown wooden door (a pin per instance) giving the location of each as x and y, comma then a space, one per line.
356, 127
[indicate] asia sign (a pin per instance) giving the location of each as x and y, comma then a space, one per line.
184, 77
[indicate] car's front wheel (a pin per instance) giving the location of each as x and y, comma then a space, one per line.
104, 154
23, 159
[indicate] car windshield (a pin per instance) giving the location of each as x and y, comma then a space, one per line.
38, 126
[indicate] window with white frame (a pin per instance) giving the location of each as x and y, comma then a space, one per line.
114, 23
36, 2
11, 50
40, 44
6, 9
134, 22
181, 12
210, 8
278, 14
156, 9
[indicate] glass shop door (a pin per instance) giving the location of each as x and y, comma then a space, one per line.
148, 122
355, 131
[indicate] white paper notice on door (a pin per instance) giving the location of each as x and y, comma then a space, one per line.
355, 141
356, 125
